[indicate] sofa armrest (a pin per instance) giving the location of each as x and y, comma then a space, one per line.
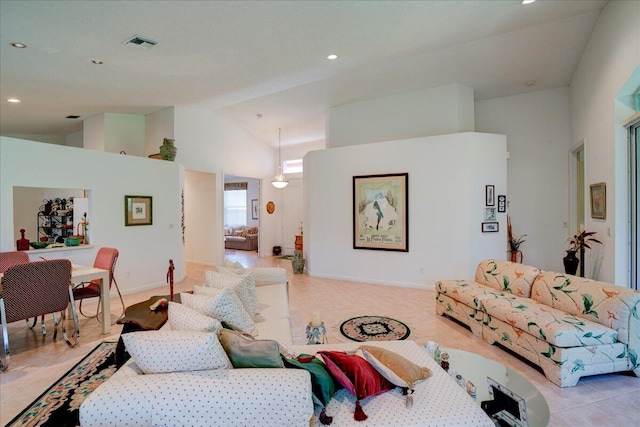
268, 275
223, 397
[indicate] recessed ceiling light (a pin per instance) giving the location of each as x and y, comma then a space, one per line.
97, 61
332, 57
530, 82
528, 1
18, 45
14, 100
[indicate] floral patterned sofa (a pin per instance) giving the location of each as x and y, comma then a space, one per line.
569, 326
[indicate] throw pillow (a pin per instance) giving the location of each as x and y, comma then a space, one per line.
225, 306
356, 375
182, 317
246, 352
244, 286
395, 368
248, 286
206, 290
175, 351
234, 265
323, 386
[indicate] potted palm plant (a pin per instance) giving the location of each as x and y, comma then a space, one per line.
578, 243
514, 244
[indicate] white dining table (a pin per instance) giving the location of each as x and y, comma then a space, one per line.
85, 273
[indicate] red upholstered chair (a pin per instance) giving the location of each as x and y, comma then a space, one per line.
9, 259
106, 259
35, 289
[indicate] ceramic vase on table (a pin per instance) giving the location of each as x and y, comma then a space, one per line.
168, 150
571, 262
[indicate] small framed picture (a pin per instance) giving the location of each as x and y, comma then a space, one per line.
599, 200
255, 208
489, 195
490, 214
138, 210
502, 204
489, 227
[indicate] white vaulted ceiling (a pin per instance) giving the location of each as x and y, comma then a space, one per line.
245, 58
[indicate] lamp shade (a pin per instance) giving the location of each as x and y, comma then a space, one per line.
279, 181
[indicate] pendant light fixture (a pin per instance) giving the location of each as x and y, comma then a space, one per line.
279, 181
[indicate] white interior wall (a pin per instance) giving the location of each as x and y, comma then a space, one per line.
537, 128
125, 132
159, 126
26, 204
447, 178
208, 143
48, 138
93, 132
144, 250
199, 209
608, 60
73, 139
434, 111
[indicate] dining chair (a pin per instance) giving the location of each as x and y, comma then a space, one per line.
9, 259
106, 259
35, 289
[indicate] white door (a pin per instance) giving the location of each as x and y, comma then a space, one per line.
291, 215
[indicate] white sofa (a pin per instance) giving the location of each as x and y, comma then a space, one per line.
272, 397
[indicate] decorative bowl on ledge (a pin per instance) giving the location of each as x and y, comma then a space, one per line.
39, 245
72, 241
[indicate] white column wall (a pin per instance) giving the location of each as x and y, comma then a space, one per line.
537, 128
447, 178
144, 250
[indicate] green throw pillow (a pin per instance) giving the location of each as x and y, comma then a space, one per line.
247, 352
323, 385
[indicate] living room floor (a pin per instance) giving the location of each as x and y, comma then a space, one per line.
602, 400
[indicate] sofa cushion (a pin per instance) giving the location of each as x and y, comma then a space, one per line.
507, 276
185, 318
226, 306
273, 302
600, 302
243, 285
175, 351
467, 292
234, 265
395, 368
249, 282
246, 352
356, 375
549, 324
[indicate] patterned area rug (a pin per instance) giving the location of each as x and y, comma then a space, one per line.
59, 405
373, 328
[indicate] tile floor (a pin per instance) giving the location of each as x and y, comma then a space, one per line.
604, 400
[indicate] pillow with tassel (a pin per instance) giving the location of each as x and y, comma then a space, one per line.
356, 375
396, 369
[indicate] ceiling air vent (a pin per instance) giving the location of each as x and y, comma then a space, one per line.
140, 41
72, 117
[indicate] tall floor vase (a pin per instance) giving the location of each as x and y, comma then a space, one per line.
571, 262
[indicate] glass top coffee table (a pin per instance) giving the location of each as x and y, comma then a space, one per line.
476, 368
